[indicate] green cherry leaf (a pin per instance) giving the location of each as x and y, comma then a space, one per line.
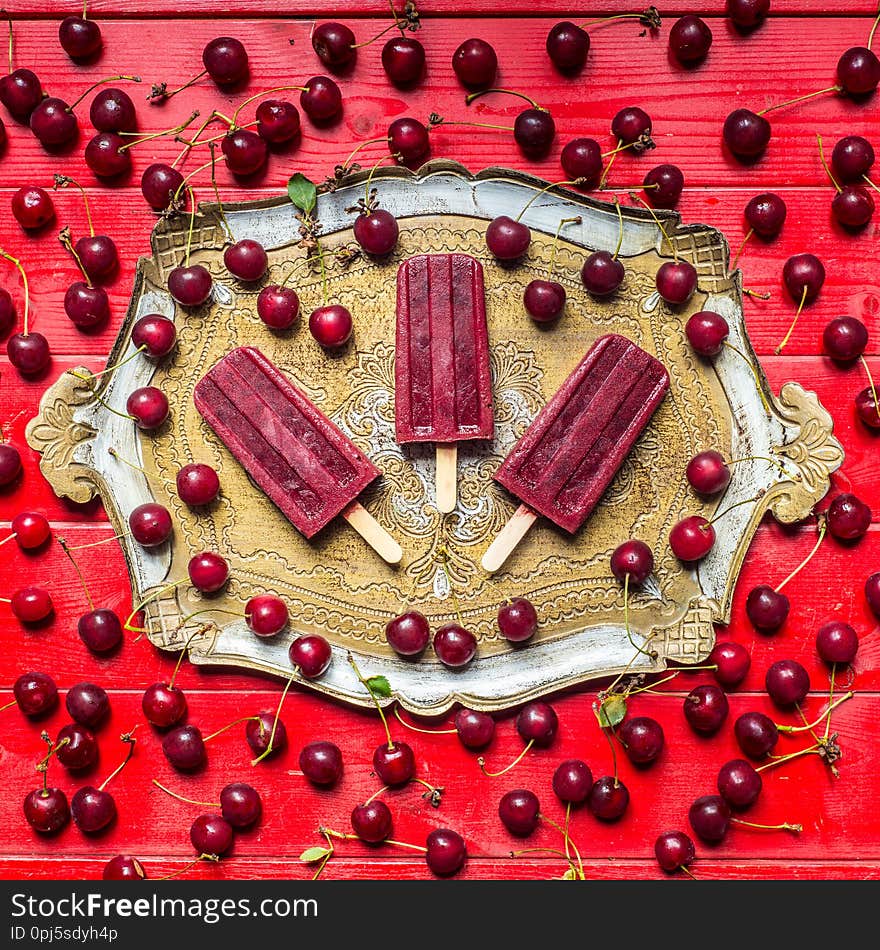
302, 192
310, 855
379, 686
612, 711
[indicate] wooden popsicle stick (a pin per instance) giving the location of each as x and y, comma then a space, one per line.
373, 533
446, 476
508, 538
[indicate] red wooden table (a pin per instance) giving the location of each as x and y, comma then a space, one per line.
794, 52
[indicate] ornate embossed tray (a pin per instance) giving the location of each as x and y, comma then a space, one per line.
335, 584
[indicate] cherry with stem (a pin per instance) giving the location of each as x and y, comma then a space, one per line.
28, 351
97, 252
544, 299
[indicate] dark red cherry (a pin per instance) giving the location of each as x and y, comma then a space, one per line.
259, 733
163, 705
278, 307
709, 816
867, 409
277, 121
537, 722
87, 704
246, 259
520, 812
689, 39
837, 642
858, 71
632, 559
756, 734
517, 620
845, 338
454, 645
21, 91
446, 852
197, 484
408, 138
544, 300
602, 274
266, 615
76, 747
852, 158
765, 214
767, 608
98, 255
674, 850
35, 693
803, 271
190, 285
582, 158
321, 763
376, 231
663, 186
28, 353
10, 463
692, 538
148, 406
245, 151
475, 729
853, 206
408, 634
311, 654
394, 763
475, 63
226, 60
567, 46
739, 784
706, 332
642, 739
53, 122
150, 524
732, 662
184, 748
708, 473
80, 38
676, 282
46, 810
609, 798
848, 517
507, 239
747, 13
372, 823
159, 184
93, 809
211, 834
32, 207
534, 131
331, 326
31, 604
403, 59
240, 804
86, 306
208, 571
106, 157
787, 682
706, 708
113, 111
321, 100
100, 630
872, 593
632, 126
572, 781
334, 43
7, 312
123, 868
746, 133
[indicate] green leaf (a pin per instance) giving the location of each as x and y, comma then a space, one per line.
302, 192
612, 711
310, 855
379, 686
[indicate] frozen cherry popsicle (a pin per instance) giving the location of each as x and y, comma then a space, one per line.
443, 384
298, 457
567, 457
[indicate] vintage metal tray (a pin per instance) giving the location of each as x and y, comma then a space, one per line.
335, 584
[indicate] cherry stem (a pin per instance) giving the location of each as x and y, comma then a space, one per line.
129, 739
323, 274
648, 18
830, 696
663, 231
374, 698
62, 181
762, 458
870, 381
807, 727
192, 222
79, 573
566, 837
229, 725
176, 196
619, 210
155, 96
406, 844
471, 125
43, 765
183, 651
180, 798
873, 30
871, 183
780, 760
271, 747
787, 336
296, 266
628, 666
191, 143
259, 95
791, 102
509, 92
754, 372
738, 504
369, 181
85, 6
607, 168
9, 22
748, 292
195, 139
157, 135
375, 795
202, 857
220, 207
206, 610
626, 616
537, 194
785, 826
831, 177
394, 26
113, 366
114, 454
555, 247
443, 554
27, 296
740, 249
148, 599
822, 526
7, 706
427, 732
613, 751
65, 241
101, 82
620, 147
482, 762
346, 165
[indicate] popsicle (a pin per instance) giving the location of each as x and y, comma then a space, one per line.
568, 456
443, 383
295, 454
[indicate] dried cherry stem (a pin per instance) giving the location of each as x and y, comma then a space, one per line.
822, 525
537, 194
443, 554
376, 702
509, 92
831, 177
369, 181
183, 650
787, 336
782, 759
482, 762
555, 246
229, 725
427, 732
650, 687
65, 241
808, 727
864, 363
739, 250
271, 747
180, 798
619, 244
76, 568
202, 857
791, 102
129, 739
748, 292
43, 765
432, 793
738, 504
650, 18
101, 82
159, 92
629, 665
62, 181
663, 230
754, 371
24, 280
157, 135
784, 826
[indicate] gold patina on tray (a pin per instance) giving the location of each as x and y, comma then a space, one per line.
334, 584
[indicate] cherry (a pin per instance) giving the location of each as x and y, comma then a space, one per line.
331, 325
246, 260
258, 734
46, 810
848, 517
197, 484
632, 126
475, 729
803, 275
787, 682
642, 739
544, 300
321, 100
708, 473
159, 184
148, 407
872, 593
845, 338
80, 38
853, 206
403, 59
867, 409
321, 763
123, 868
663, 185
408, 138
184, 747
35, 693
93, 809
692, 538
609, 798
32, 207
376, 231
266, 615
334, 43
852, 158
689, 39
163, 705
311, 654
240, 804
10, 463
837, 642
208, 571
106, 157
765, 214
674, 851
245, 152
98, 255
76, 747
372, 822
53, 122
706, 708
100, 630
87, 704
86, 306
277, 121
534, 131
739, 784
278, 307
454, 645
113, 111
602, 273
394, 763
858, 71
7, 312
676, 281
537, 722
507, 239
190, 285
28, 352
709, 816
767, 608
150, 524
747, 13
756, 734
446, 852
211, 834
582, 158
568, 46
21, 92
31, 604
408, 634
225, 60
572, 781
517, 620
31, 530
746, 133
475, 63
632, 559
520, 812
732, 662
